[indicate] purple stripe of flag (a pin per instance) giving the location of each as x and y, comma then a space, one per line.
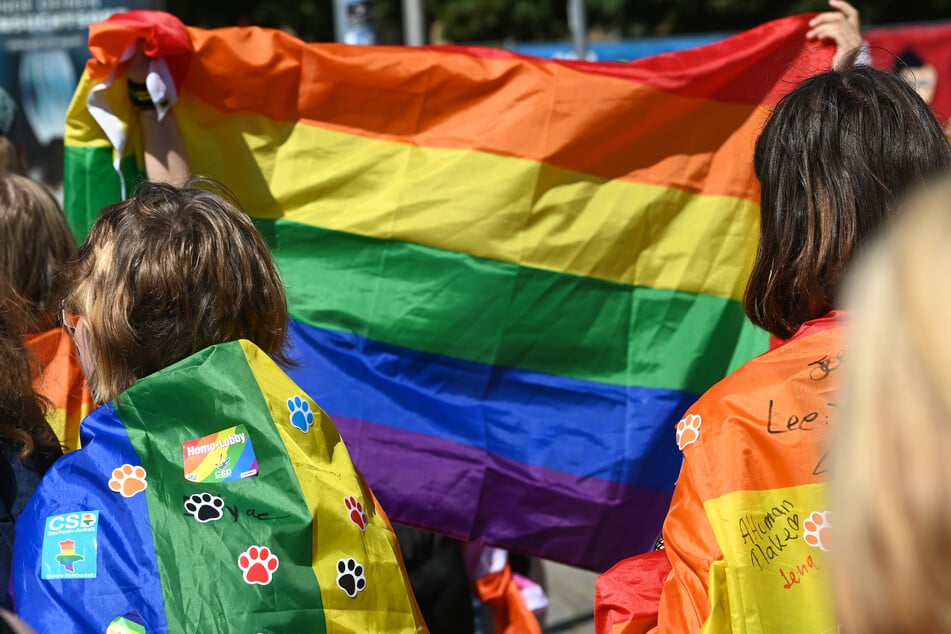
458, 489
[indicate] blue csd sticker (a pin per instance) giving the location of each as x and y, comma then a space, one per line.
70, 545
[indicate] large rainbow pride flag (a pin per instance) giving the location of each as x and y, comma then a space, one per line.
508, 276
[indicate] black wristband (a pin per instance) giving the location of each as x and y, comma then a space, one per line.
139, 96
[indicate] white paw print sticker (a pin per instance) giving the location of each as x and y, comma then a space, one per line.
817, 530
688, 430
301, 415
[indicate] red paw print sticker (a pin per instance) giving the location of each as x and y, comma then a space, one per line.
258, 564
688, 430
357, 515
817, 531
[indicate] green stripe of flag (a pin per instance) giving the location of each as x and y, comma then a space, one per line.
503, 314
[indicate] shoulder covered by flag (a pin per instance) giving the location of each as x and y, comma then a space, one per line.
195, 502
508, 276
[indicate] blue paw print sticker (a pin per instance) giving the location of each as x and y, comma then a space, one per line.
301, 415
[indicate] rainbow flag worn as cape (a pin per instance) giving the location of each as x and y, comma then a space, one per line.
508, 276
212, 496
59, 378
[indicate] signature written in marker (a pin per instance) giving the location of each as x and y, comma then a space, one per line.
821, 368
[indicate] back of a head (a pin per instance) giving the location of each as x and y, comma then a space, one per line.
891, 477
169, 272
36, 244
23, 426
832, 160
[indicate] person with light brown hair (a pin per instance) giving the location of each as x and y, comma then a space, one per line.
891, 477
165, 274
747, 533
195, 501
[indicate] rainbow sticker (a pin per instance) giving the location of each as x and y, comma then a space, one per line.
226, 456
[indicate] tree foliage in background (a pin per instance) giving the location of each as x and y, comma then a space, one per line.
464, 21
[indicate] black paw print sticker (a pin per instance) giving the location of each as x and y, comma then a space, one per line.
350, 577
204, 507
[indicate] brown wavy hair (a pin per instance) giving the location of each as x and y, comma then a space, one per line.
36, 245
23, 426
169, 272
832, 160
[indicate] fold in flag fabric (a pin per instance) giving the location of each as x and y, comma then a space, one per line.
61, 381
931, 43
508, 276
212, 494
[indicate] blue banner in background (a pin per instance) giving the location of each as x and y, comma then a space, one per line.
618, 51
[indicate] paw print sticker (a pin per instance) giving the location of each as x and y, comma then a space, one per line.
128, 480
301, 415
258, 564
817, 530
688, 430
204, 507
357, 515
350, 577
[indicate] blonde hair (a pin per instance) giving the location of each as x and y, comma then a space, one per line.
169, 272
891, 482
36, 245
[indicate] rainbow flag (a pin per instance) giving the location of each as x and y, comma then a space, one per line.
59, 378
281, 534
508, 276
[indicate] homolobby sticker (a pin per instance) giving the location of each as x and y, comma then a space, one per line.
226, 456
70, 543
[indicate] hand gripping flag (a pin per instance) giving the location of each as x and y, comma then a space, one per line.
212, 496
508, 276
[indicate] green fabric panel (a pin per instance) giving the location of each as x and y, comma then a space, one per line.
208, 392
90, 183
503, 314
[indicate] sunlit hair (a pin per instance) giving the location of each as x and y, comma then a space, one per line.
832, 160
36, 243
169, 272
23, 426
891, 476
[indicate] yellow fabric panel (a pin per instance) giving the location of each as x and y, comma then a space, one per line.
81, 129
321, 460
543, 217
767, 563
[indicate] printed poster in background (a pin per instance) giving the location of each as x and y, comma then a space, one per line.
43, 49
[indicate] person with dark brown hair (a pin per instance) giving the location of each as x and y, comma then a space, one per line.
832, 162
27, 444
747, 532
37, 244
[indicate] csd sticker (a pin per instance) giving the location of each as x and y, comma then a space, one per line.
72, 521
70, 545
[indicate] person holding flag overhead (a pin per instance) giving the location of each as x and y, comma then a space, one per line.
211, 493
